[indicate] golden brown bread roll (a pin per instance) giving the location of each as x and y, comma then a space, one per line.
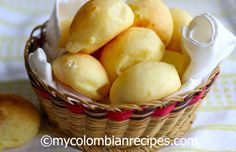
96, 23
83, 73
153, 14
181, 18
19, 120
145, 82
129, 48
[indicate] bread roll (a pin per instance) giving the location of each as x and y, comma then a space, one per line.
180, 61
153, 14
145, 82
129, 48
19, 121
96, 23
83, 73
181, 18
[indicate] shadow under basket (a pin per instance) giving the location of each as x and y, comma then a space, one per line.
79, 118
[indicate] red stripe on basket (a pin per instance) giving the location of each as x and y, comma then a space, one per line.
44, 95
161, 112
197, 98
119, 116
78, 109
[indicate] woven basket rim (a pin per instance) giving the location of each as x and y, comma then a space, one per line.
39, 39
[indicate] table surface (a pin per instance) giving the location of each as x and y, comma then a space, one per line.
215, 125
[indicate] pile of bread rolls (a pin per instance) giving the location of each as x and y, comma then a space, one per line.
127, 51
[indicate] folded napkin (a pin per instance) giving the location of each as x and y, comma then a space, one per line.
39, 65
207, 42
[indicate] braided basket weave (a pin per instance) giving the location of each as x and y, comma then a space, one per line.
76, 117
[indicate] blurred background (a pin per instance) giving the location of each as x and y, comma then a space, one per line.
215, 125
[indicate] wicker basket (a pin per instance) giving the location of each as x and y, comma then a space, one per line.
76, 117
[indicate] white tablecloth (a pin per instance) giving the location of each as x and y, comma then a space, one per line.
215, 124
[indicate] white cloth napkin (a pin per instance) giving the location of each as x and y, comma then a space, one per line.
38, 64
207, 42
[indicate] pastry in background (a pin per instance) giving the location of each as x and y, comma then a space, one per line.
153, 14
96, 23
83, 73
129, 48
145, 82
179, 60
19, 121
181, 18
